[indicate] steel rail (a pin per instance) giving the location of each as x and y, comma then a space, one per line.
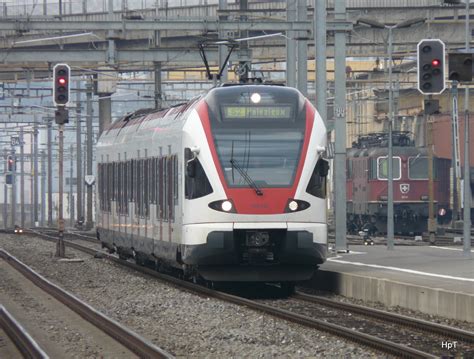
355, 239
340, 331
20, 337
390, 317
123, 335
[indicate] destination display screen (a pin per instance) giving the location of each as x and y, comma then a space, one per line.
232, 112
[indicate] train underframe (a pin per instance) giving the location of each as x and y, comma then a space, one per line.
409, 218
251, 255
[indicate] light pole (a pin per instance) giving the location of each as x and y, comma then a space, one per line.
377, 25
467, 187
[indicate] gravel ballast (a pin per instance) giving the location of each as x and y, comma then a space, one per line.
183, 323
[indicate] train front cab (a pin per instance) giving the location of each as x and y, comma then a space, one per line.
271, 227
254, 252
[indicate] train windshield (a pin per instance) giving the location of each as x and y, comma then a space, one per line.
259, 129
418, 167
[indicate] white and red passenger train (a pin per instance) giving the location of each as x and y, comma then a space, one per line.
230, 186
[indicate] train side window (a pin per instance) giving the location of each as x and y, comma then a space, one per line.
112, 181
137, 187
165, 188
140, 180
99, 184
373, 169
125, 187
349, 168
171, 187
142, 187
119, 185
129, 179
175, 180
146, 192
160, 188
197, 185
104, 186
152, 181
317, 182
132, 181
158, 174
116, 179
110, 187
122, 187
118, 205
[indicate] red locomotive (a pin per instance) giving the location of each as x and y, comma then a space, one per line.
367, 168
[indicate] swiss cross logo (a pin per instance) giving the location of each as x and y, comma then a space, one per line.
404, 188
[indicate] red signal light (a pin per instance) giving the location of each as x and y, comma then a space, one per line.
435, 63
10, 164
61, 77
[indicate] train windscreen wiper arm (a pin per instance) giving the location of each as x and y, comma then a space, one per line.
246, 177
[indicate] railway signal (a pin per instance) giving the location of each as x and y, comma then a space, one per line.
431, 107
460, 67
431, 64
61, 115
10, 163
61, 90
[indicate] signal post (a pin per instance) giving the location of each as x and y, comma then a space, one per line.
431, 81
61, 94
11, 179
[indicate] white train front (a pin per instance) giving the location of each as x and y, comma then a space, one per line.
228, 187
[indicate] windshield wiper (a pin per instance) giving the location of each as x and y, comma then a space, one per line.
246, 177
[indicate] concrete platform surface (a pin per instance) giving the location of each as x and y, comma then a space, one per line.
433, 280
431, 266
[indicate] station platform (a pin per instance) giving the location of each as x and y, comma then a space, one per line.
431, 279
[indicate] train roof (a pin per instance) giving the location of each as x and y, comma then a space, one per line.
153, 113
380, 139
383, 151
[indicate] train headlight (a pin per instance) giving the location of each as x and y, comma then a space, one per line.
296, 205
255, 97
226, 206
293, 205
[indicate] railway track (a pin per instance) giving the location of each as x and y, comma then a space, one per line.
351, 334
428, 335
401, 240
121, 334
20, 337
67, 234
